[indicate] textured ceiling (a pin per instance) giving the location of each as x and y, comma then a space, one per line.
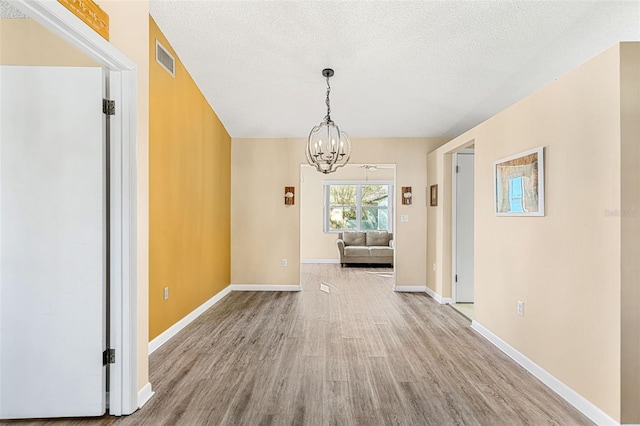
7, 11
403, 69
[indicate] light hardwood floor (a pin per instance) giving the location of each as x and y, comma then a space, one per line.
360, 354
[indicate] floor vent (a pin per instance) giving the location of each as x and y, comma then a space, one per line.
165, 59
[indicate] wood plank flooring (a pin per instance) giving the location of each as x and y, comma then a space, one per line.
359, 355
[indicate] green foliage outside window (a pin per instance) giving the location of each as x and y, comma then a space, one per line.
346, 201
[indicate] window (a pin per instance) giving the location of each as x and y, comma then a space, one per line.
515, 194
358, 206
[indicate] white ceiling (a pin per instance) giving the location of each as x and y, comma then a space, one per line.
402, 69
8, 11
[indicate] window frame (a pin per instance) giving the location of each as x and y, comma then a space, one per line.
358, 207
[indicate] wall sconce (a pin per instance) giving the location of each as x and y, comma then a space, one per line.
406, 195
289, 195
433, 196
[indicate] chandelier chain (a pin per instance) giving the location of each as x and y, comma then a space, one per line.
327, 118
328, 148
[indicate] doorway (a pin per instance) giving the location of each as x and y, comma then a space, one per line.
106, 59
463, 232
373, 183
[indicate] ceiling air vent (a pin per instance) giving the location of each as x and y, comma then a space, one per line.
165, 59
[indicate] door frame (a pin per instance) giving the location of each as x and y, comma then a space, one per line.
303, 168
454, 224
123, 394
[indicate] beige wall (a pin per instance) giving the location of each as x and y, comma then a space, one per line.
27, 42
314, 242
264, 230
129, 32
565, 266
630, 231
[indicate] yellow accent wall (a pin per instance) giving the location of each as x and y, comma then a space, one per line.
189, 194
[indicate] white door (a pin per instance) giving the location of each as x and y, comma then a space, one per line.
52, 242
463, 279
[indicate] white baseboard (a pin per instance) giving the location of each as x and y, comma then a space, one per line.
175, 328
145, 394
441, 300
583, 405
264, 287
410, 288
319, 261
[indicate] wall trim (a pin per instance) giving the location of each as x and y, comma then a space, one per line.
145, 394
572, 397
264, 287
410, 288
319, 260
441, 300
165, 336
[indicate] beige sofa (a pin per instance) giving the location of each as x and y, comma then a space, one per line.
365, 247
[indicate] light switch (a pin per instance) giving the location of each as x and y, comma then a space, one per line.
404, 218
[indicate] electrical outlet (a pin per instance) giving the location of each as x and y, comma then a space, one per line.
166, 293
283, 262
520, 308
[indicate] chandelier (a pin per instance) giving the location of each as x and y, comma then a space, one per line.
328, 148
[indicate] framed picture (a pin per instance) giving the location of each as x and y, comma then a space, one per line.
519, 184
433, 195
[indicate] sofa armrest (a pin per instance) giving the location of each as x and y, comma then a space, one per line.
340, 245
391, 243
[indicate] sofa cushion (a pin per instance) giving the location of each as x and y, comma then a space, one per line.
353, 238
378, 238
356, 251
381, 251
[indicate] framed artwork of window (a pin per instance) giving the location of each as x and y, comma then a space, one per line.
519, 184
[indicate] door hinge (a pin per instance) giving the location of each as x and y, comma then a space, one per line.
109, 356
457, 169
456, 278
108, 107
